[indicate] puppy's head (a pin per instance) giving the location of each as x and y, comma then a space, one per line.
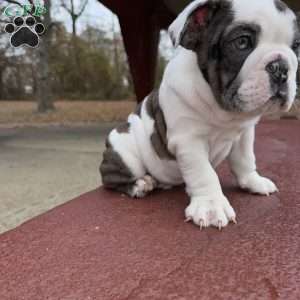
247, 51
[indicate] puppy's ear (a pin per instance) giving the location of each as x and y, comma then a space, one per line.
178, 27
188, 28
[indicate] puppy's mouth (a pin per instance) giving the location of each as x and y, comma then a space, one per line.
281, 99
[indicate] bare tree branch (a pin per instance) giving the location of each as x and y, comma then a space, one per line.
63, 4
72, 6
85, 2
72, 11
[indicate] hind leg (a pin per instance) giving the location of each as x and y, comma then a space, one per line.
125, 182
147, 184
143, 186
122, 168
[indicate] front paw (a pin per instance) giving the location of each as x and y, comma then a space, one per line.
258, 185
213, 210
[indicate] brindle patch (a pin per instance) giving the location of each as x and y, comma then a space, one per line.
231, 62
159, 135
123, 128
115, 173
138, 110
205, 40
281, 6
297, 27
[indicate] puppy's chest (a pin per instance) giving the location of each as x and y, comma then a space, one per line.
220, 145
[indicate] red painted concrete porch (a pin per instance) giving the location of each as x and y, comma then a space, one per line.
104, 246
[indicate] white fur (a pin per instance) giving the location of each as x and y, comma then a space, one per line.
126, 146
166, 172
255, 89
200, 134
277, 36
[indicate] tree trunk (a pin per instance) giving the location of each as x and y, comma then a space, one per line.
75, 43
44, 90
74, 28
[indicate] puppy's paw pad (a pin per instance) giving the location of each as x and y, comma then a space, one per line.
259, 185
143, 186
210, 211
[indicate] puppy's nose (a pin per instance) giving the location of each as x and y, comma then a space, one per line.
278, 71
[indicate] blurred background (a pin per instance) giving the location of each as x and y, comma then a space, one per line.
59, 100
81, 58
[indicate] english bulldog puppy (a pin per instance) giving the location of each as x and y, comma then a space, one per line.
236, 61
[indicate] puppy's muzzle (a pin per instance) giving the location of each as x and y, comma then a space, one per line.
279, 73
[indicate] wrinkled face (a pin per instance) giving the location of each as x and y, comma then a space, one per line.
247, 51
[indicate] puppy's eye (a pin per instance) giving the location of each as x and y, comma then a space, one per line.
243, 43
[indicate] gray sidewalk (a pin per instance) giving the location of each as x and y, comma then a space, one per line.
41, 168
